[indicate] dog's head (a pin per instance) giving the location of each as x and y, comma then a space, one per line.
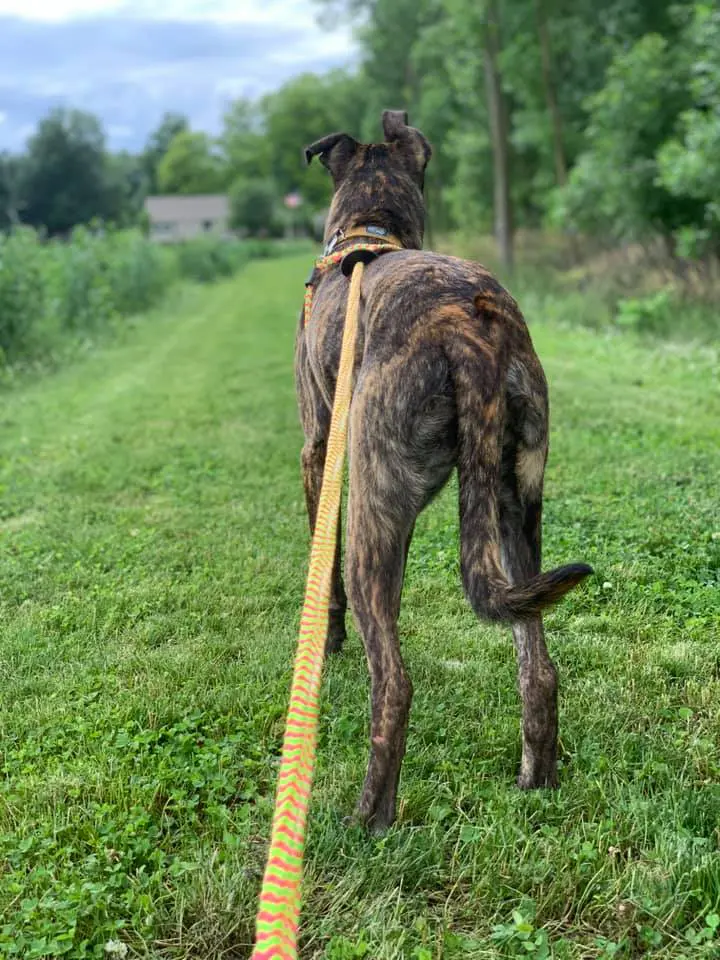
378, 184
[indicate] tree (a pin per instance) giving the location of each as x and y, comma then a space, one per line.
253, 205
615, 187
500, 128
245, 146
302, 110
65, 174
390, 66
550, 95
158, 144
126, 189
407, 48
191, 165
10, 190
517, 98
689, 164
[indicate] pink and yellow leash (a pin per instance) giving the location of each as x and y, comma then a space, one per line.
280, 897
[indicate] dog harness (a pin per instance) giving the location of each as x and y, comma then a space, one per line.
280, 897
348, 256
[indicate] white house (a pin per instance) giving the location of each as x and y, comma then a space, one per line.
177, 218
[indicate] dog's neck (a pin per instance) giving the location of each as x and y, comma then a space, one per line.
350, 211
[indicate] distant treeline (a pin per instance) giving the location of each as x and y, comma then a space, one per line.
594, 116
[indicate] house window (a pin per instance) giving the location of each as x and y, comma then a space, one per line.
207, 225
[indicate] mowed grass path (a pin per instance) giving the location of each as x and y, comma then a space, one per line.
152, 563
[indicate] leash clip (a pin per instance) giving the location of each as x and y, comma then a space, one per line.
333, 241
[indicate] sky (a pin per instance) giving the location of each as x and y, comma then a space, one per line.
129, 61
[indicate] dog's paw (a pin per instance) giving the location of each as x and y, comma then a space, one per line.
374, 824
547, 781
375, 812
334, 643
337, 634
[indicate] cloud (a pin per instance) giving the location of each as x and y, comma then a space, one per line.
55, 9
129, 65
290, 12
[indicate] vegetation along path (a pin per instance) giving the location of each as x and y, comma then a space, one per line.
152, 564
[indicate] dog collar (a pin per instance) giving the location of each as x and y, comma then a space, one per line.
370, 231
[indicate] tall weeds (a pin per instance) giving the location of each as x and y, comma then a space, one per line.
54, 291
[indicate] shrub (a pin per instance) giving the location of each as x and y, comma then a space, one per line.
78, 277
210, 258
141, 271
668, 313
22, 292
50, 290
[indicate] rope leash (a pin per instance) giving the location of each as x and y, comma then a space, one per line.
280, 897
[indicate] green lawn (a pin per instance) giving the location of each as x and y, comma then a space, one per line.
153, 547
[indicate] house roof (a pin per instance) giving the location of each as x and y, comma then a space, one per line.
177, 209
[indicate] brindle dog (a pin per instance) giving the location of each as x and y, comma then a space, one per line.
445, 376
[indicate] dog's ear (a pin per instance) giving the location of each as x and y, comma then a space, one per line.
335, 152
414, 148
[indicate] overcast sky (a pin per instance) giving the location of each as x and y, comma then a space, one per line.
129, 62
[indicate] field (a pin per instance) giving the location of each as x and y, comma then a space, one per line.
153, 547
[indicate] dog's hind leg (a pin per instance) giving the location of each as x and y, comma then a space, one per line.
537, 675
521, 484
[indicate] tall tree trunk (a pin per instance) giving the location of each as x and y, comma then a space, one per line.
429, 241
499, 127
431, 207
550, 98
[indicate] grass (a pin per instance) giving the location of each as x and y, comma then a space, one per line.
153, 547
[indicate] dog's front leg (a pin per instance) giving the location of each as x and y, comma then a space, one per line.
313, 463
315, 417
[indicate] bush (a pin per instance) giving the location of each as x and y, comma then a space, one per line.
141, 273
50, 290
78, 278
209, 258
667, 313
22, 292
94, 278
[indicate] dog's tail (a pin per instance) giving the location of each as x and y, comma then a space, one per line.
479, 378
